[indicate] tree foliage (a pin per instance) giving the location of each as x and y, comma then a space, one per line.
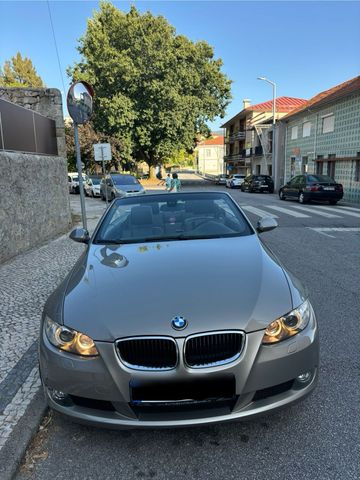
20, 72
154, 88
87, 137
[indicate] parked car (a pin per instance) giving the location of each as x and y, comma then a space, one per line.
258, 183
73, 181
92, 186
134, 336
235, 181
221, 179
120, 185
307, 187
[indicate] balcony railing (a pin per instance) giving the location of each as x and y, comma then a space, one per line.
233, 137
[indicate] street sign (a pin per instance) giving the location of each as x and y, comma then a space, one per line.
102, 152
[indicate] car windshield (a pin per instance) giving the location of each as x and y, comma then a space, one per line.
95, 181
320, 178
182, 216
124, 180
261, 177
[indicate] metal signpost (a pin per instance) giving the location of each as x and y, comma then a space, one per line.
79, 104
102, 153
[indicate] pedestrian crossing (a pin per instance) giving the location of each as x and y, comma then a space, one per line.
302, 212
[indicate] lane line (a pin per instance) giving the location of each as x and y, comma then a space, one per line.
323, 230
258, 212
349, 208
289, 212
313, 210
344, 212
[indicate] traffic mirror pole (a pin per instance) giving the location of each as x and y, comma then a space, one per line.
79, 169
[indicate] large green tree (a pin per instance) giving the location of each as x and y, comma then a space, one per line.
20, 72
154, 88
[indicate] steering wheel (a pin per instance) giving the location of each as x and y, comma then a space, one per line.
199, 221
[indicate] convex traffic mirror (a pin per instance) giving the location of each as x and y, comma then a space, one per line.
80, 102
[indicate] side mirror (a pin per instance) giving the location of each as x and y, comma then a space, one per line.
80, 235
266, 224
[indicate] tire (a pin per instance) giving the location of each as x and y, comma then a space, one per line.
302, 198
333, 202
281, 195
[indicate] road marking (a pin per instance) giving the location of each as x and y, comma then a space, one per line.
289, 212
313, 210
344, 212
349, 208
322, 230
258, 212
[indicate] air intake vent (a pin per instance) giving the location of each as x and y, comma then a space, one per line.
213, 349
149, 353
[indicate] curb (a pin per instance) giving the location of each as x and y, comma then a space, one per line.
15, 447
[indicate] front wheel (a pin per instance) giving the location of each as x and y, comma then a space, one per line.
302, 198
333, 202
281, 195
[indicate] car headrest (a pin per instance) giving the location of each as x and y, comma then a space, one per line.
142, 215
203, 207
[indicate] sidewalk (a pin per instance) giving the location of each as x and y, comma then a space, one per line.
25, 284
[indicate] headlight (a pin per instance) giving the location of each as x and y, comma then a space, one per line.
69, 340
288, 325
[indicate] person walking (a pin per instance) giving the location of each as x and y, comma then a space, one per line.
168, 182
175, 183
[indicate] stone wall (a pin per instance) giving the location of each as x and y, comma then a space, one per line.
34, 198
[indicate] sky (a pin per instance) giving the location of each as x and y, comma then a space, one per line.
305, 47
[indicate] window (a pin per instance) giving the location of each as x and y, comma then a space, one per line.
331, 169
357, 170
258, 169
294, 133
292, 166
208, 152
328, 124
319, 167
304, 164
306, 129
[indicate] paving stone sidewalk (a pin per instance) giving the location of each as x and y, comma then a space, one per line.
25, 283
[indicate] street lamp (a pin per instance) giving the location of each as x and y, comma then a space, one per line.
273, 167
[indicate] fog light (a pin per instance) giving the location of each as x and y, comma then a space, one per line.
304, 377
59, 397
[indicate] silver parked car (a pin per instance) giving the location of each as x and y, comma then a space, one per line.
120, 185
145, 332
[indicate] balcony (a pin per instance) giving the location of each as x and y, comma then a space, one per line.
236, 157
240, 135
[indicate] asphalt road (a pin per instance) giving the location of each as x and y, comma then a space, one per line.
316, 439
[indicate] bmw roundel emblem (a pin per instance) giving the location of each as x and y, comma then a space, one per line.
179, 323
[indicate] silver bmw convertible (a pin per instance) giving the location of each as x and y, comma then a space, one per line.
176, 314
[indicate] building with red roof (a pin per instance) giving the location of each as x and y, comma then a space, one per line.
248, 137
210, 155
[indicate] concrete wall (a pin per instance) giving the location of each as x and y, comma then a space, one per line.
34, 199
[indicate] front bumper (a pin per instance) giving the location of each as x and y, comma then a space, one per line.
99, 390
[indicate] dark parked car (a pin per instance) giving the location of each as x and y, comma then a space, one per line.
312, 187
258, 183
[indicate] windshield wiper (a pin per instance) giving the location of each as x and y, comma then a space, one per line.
105, 241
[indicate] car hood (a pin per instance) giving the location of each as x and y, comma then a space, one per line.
136, 289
